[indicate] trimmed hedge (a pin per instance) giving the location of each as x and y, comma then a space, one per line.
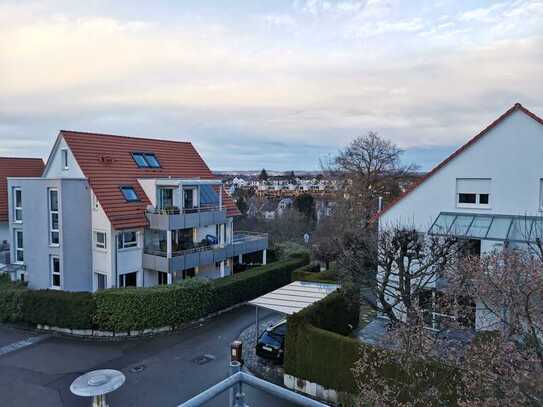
125, 309
63, 309
250, 284
318, 350
329, 276
10, 299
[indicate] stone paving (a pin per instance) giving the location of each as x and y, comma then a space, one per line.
263, 368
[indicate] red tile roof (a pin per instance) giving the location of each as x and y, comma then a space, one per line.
15, 167
107, 162
485, 131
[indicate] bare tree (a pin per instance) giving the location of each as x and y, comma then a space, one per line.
398, 264
370, 167
494, 368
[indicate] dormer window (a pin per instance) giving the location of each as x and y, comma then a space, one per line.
146, 160
129, 194
473, 193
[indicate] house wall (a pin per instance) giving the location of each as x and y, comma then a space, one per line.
55, 169
74, 250
508, 155
102, 259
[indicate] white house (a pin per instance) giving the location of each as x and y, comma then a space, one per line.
489, 191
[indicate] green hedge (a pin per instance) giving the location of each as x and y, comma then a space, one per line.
11, 298
323, 276
125, 309
318, 350
64, 309
250, 284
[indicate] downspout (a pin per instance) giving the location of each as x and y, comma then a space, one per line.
116, 265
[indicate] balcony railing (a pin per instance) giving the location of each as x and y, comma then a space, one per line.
184, 252
245, 236
175, 210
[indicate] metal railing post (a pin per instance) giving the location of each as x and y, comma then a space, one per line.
235, 367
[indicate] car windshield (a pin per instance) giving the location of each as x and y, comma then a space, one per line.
269, 338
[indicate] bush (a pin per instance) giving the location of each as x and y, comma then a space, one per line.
58, 308
10, 299
250, 284
311, 268
322, 277
125, 309
318, 350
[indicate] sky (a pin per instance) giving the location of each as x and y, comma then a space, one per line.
277, 84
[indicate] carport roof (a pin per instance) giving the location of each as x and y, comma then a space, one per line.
294, 297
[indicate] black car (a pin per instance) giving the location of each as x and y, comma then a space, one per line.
271, 343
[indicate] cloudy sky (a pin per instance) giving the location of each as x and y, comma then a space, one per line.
275, 84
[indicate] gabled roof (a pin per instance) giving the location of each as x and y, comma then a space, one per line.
516, 107
106, 160
15, 167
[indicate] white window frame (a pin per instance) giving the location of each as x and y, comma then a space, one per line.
477, 191
97, 244
64, 158
52, 259
121, 244
477, 203
18, 249
17, 209
51, 213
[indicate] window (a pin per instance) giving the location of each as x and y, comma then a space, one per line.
162, 278
165, 198
100, 240
152, 160
467, 198
54, 234
101, 281
94, 202
126, 240
55, 272
128, 280
473, 192
188, 198
19, 247
146, 160
64, 155
129, 194
18, 205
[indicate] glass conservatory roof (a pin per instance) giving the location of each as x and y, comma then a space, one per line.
488, 226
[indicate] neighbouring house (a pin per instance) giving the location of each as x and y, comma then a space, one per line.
114, 211
13, 167
284, 205
489, 191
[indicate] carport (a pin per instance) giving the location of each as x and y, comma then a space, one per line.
292, 298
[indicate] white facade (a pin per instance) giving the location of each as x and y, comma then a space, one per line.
498, 174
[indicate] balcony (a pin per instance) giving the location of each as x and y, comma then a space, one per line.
173, 218
156, 257
248, 242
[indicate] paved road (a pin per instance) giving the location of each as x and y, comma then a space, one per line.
40, 373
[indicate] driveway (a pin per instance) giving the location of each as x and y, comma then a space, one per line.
160, 371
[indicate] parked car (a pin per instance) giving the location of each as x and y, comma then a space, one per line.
271, 343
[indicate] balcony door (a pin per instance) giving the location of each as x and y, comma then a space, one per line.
188, 198
165, 198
